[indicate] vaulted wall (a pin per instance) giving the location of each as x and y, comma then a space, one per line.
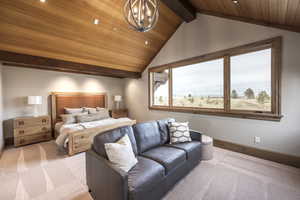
18, 83
209, 34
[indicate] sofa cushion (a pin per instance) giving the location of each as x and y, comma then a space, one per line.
191, 148
164, 129
145, 175
169, 157
111, 137
147, 135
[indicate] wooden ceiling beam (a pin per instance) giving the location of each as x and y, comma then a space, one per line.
182, 8
36, 62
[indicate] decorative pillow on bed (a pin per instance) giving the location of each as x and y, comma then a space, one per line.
100, 109
90, 110
73, 110
179, 132
120, 154
103, 111
89, 117
71, 118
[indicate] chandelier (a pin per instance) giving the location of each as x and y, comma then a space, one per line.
142, 15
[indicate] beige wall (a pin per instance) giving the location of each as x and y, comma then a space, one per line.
1, 113
209, 34
21, 82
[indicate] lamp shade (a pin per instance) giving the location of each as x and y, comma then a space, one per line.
34, 100
118, 98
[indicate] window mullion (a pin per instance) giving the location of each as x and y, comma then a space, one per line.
170, 87
227, 83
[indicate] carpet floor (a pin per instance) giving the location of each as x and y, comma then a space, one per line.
38, 172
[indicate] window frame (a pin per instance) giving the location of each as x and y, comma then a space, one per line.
275, 44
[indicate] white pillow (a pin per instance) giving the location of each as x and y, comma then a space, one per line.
179, 132
71, 118
89, 117
104, 112
90, 110
73, 110
120, 154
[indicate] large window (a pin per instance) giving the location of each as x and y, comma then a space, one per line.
238, 82
199, 85
251, 81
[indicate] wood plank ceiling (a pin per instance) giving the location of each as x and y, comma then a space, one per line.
64, 30
284, 14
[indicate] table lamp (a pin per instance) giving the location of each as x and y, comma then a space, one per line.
35, 101
118, 99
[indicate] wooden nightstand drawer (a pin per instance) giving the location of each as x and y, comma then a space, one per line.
31, 121
31, 130
19, 141
119, 113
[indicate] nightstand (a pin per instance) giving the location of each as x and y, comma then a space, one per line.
119, 113
28, 130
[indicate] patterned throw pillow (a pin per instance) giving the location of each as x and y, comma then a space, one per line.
179, 132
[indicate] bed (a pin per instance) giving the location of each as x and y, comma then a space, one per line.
77, 137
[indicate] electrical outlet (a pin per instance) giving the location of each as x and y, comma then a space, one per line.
257, 140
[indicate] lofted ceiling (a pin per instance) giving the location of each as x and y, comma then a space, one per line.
64, 30
283, 14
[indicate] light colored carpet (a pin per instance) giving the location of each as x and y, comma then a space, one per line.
39, 172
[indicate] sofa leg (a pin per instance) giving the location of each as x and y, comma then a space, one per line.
90, 191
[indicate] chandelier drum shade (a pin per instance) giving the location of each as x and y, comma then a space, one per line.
142, 15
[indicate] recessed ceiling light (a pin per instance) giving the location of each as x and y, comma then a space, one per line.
235, 1
43, 1
96, 21
146, 42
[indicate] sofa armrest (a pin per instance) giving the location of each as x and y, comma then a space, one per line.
196, 135
105, 181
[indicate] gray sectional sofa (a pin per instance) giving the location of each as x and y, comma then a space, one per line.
160, 164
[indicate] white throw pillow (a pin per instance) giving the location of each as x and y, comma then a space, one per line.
71, 118
89, 118
73, 110
90, 110
120, 154
179, 132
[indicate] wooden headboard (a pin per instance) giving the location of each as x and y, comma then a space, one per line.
61, 100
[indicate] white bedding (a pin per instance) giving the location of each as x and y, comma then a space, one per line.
65, 129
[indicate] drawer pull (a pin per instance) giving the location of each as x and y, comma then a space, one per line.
21, 132
22, 141
44, 120
21, 123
